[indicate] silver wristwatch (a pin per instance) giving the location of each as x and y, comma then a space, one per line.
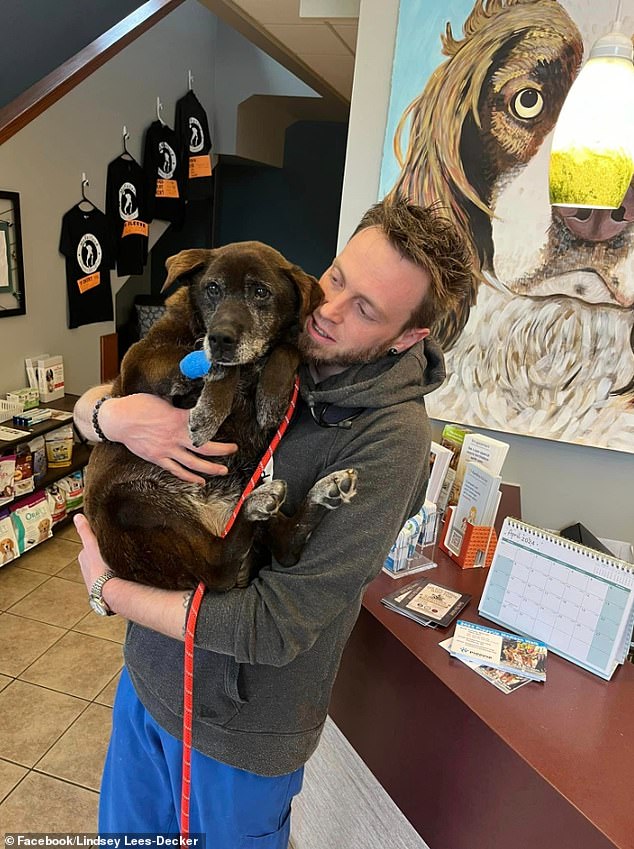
95, 596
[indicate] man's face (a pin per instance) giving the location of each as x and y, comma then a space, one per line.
370, 291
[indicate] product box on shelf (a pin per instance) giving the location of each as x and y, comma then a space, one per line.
28, 397
8, 543
32, 521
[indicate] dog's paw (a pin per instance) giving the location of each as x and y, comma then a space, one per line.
265, 501
335, 489
270, 410
203, 426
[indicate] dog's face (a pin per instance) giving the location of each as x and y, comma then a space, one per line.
546, 348
247, 297
7, 549
44, 528
580, 253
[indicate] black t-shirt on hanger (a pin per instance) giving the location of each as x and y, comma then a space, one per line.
165, 167
126, 210
192, 129
86, 242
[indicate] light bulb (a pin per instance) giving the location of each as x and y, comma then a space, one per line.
592, 156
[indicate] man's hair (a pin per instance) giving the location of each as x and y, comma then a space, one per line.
431, 241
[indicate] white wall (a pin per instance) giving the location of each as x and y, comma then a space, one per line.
561, 483
242, 69
82, 132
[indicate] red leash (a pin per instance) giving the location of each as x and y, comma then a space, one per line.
192, 616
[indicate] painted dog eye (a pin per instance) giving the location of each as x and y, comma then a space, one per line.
213, 289
527, 103
260, 292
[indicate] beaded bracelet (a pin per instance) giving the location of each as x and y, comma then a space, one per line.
95, 419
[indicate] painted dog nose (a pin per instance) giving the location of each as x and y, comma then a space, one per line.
598, 225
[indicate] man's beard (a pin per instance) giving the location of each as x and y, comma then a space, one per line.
314, 353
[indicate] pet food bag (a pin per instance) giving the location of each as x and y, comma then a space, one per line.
24, 480
8, 543
73, 488
7, 478
32, 521
40, 466
59, 447
57, 502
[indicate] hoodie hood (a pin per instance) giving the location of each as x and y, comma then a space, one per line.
383, 383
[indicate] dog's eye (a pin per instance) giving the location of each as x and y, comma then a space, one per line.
527, 103
213, 289
260, 292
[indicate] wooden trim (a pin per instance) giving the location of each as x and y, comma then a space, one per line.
108, 357
53, 87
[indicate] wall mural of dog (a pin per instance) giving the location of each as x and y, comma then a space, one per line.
545, 347
244, 304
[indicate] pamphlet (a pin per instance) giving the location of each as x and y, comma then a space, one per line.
10, 434
426, 602
507, 682
508, 652
488, 452
478, 503
439, 460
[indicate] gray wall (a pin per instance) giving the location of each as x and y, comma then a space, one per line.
560, 482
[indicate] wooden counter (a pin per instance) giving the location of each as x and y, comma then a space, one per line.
550, 766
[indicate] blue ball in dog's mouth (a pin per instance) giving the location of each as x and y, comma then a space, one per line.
195, 365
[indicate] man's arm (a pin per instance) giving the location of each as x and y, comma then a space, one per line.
153, 429
164, 611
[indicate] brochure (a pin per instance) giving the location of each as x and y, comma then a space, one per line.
427, 602
508, 652
507, 682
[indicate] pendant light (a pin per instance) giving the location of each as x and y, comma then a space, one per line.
592, 155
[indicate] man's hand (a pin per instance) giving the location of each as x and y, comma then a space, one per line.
91, 562
155, 431
164, 611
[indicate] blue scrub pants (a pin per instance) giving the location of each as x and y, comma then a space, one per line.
141, 787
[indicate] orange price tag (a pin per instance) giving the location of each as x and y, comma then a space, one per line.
167, 189
89, 282
135, 228
199, 166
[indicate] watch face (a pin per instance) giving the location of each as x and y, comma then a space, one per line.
98, 605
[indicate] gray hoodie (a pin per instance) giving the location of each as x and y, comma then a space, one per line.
266, 656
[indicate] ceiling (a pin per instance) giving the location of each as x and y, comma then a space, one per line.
318, 50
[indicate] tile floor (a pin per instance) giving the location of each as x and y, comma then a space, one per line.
59, 665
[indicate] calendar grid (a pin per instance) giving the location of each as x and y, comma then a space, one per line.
577, 601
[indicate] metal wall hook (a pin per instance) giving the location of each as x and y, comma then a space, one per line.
84, 185
126, 136
190, 80
159, 110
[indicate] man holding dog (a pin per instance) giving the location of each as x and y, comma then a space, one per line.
267, 655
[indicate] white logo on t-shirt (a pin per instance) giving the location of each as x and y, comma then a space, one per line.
128, 209
196, 136
89, 253
167, 165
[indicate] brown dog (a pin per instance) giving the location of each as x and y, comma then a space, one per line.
245, 304
7, 551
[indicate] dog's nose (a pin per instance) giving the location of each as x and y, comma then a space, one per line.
222, 344
598, 225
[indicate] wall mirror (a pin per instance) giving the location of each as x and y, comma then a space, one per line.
12, 296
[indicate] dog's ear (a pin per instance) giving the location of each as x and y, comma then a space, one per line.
185, 262
308, 289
